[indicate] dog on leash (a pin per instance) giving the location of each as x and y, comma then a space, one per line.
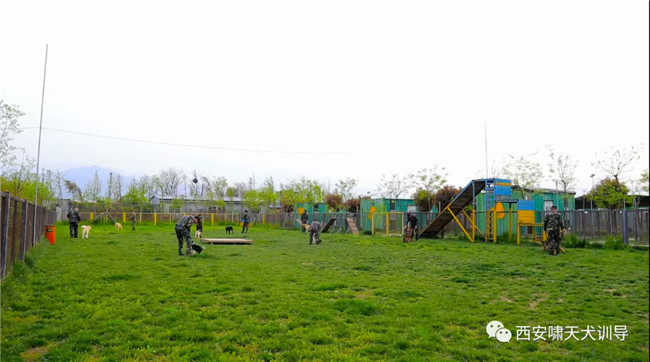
118, 226
229, 229
85, 231
198, 234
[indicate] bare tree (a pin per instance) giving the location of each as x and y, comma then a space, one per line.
615, 164
8, 127
116, 193
393, 186
344, 188
563, 168
523, 171
93, 189
169, 180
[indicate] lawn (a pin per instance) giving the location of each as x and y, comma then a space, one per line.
128, 296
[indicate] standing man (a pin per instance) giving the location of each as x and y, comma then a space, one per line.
74, 218
304, 218
245, 220
183, 233
554, 227
314, 232
133, 218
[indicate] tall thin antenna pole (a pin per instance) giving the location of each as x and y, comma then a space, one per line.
486, 151
38, 155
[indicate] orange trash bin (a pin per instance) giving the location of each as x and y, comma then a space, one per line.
50, 233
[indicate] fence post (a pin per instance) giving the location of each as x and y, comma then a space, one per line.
23, 243
625, 239
5, 232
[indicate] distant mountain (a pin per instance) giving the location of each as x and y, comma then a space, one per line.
84, 175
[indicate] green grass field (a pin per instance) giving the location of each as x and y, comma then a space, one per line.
128, 296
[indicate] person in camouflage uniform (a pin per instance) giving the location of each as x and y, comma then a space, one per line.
314, 232
554, 227
133, 219
183, 233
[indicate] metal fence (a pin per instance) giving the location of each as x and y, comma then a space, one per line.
16, 229
631, 225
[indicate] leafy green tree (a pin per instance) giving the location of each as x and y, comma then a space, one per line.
176, 205
611, 194
423, 200
136, 195
21, 182
251, 199
427, 181
267, 193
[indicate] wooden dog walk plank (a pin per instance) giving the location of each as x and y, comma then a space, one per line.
329, 224
227, 241
353, 226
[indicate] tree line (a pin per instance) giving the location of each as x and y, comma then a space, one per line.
427, 186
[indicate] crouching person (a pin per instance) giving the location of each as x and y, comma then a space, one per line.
314, 232
183, 233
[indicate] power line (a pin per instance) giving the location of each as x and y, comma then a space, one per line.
188, 145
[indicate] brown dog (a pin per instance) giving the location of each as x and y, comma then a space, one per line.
306, 227
118, 226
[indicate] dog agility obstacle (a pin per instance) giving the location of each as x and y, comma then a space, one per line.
227, 241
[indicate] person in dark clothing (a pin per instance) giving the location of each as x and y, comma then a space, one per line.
245, 219
74, 218
304, 219
133, 219
411, 228
199, 224
183, 233
554, 227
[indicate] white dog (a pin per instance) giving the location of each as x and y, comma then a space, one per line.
85, 230
118, 226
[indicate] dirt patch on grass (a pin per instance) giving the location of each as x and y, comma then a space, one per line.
364, 294
35, 353
506, 299
535, 302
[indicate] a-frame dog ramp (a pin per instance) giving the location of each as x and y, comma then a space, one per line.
457, 205
352, 225
329, 225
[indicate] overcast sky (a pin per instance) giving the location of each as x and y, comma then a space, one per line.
327, 89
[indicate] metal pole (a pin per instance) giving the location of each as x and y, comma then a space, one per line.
486, 151
38, 155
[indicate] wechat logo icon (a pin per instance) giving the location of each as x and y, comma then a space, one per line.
495, 329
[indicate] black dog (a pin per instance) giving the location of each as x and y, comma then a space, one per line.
229, 229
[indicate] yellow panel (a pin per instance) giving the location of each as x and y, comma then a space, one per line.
525, 216
503, 183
